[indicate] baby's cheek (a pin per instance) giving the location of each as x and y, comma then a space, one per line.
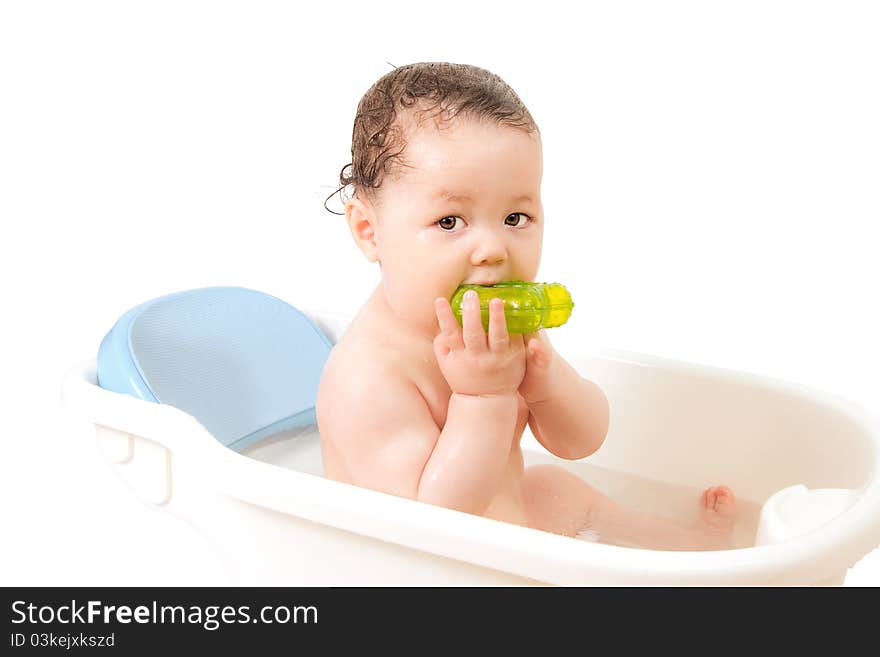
531, 268
441, 279
420, 272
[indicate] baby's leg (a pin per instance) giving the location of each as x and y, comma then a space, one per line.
560, 502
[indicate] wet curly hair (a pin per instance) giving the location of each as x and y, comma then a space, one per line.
426, 90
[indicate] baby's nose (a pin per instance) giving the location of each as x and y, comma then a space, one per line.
488, 250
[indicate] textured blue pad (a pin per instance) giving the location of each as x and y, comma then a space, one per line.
243, 363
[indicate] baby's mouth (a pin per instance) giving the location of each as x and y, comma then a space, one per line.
483, 281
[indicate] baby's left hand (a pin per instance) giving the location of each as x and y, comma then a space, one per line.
540, 356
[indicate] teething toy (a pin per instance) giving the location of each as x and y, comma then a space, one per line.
527, 306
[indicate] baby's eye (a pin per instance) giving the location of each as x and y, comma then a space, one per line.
447, 223
516, 219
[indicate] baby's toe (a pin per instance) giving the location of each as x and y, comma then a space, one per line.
719, 511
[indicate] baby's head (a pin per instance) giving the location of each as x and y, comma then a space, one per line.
446, 173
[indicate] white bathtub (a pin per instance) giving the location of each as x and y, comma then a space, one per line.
675, 429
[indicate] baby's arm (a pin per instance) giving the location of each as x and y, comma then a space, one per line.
466, 466
378, 432
568, 414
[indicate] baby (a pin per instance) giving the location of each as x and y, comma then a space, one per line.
446, 169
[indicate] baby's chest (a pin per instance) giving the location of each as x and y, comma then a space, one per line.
436, 393
425, 372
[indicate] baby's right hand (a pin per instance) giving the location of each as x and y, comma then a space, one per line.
470, 365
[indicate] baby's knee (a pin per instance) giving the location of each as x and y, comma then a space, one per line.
557, 500
558, 482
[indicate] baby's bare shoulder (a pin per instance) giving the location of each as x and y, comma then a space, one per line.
367, 376
373, 420
359, 361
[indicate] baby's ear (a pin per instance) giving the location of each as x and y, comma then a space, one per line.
362, 223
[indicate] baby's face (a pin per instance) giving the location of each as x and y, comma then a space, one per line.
467, 210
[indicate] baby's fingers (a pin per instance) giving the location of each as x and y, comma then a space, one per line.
472, 322
449, 329
498, 337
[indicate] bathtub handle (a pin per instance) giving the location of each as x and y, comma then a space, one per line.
144, 465
797, 510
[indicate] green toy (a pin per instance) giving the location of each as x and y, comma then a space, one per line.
527, 306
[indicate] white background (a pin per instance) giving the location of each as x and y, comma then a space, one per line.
711, 195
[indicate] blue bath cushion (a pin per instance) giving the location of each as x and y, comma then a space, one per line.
243, 363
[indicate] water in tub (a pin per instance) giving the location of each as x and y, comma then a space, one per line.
300, 450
